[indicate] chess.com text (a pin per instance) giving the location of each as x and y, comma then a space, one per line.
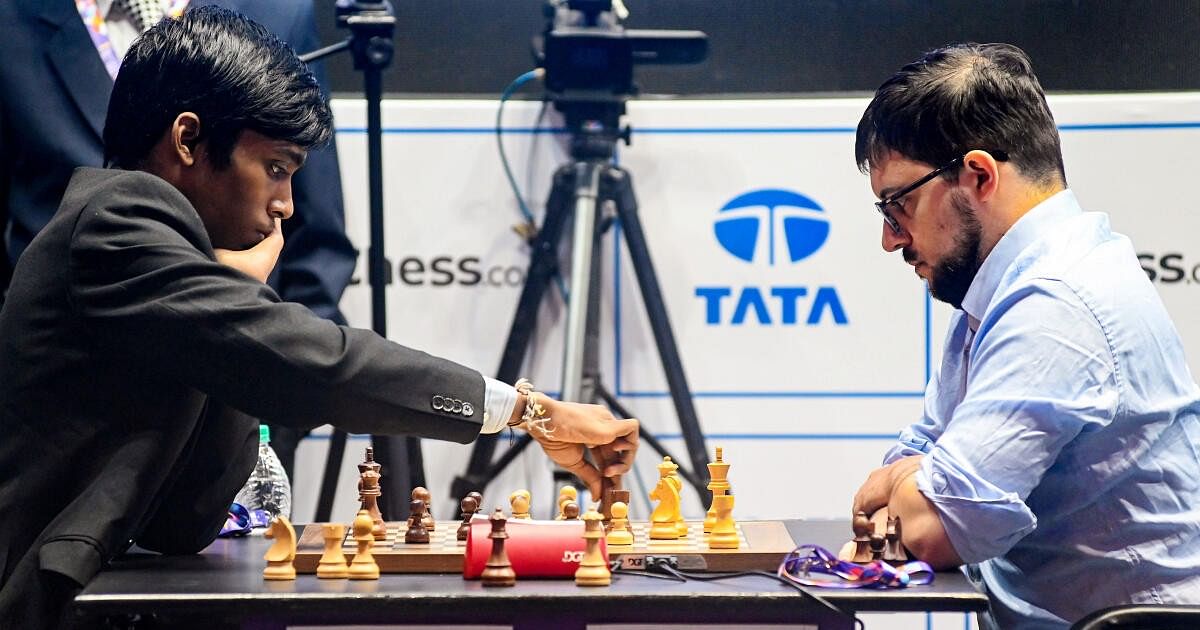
466, 271
1169, 268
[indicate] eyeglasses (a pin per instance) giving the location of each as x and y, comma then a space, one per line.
894, 198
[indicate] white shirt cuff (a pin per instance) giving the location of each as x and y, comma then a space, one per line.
499, 400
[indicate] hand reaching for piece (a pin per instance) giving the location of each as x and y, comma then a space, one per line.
575, 427
258, 261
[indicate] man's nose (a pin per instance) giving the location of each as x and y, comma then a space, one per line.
282, 207
893, 241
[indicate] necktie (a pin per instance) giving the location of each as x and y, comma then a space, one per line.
145, 13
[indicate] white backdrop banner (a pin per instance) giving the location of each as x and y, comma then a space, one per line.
807, 347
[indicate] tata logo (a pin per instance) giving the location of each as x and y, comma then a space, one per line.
771, 227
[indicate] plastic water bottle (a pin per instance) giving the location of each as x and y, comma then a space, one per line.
268, 488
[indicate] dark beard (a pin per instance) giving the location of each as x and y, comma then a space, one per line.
951, 278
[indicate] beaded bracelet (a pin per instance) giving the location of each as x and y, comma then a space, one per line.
534, 416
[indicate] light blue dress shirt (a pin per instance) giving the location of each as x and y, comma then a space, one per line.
1061, 433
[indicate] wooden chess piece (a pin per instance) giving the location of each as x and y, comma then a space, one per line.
520, 501
363, 566
499, 571
281, 553
593, 569
333, 561
427, 520
607, 484
718, 473
893, 549
618, 496
877, 544
566, 493
369, 492
619, 534
863, 528
478, 500
416, 532
469, 507
570, 511
724, 534
665, 515
681, 526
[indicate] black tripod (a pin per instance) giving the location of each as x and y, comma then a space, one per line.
585, 189
371, 25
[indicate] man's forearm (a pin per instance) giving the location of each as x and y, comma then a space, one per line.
921, 527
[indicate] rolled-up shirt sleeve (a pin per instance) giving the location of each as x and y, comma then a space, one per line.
1041, 370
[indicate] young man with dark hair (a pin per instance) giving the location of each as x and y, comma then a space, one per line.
1057, 454
60, 60
138, 331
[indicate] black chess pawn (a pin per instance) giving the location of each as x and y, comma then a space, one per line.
469, 506
416, 528
478, 500
570, 510
423, 494
877, 544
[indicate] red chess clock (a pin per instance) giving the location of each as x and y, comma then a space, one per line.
543, 549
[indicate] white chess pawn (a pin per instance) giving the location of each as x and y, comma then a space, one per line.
620, 534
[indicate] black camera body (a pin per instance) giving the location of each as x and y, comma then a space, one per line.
588, 56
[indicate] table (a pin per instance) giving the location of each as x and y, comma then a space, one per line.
222, 587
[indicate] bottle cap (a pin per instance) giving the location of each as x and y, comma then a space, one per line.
264, 434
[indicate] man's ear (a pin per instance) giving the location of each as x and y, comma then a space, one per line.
185, 137
981, 174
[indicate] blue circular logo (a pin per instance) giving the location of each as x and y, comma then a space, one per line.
756, 224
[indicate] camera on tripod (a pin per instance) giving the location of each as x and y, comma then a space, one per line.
345, 10
589, 56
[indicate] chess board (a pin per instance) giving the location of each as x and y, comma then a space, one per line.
762, 546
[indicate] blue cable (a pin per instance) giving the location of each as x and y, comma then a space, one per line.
526, 213
504, 96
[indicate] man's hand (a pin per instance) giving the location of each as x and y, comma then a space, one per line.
258, 261
877, 491
575, 427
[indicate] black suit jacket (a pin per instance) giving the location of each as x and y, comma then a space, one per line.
54, 93
128, 358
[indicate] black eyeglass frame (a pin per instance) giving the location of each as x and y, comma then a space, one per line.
882, 204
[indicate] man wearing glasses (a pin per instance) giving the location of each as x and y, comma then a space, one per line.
1057, 452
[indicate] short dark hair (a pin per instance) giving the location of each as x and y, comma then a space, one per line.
229, 71
959, 98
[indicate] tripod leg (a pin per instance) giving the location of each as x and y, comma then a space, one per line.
668, 352
543, 266
583, 306
402, 471
333, 466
